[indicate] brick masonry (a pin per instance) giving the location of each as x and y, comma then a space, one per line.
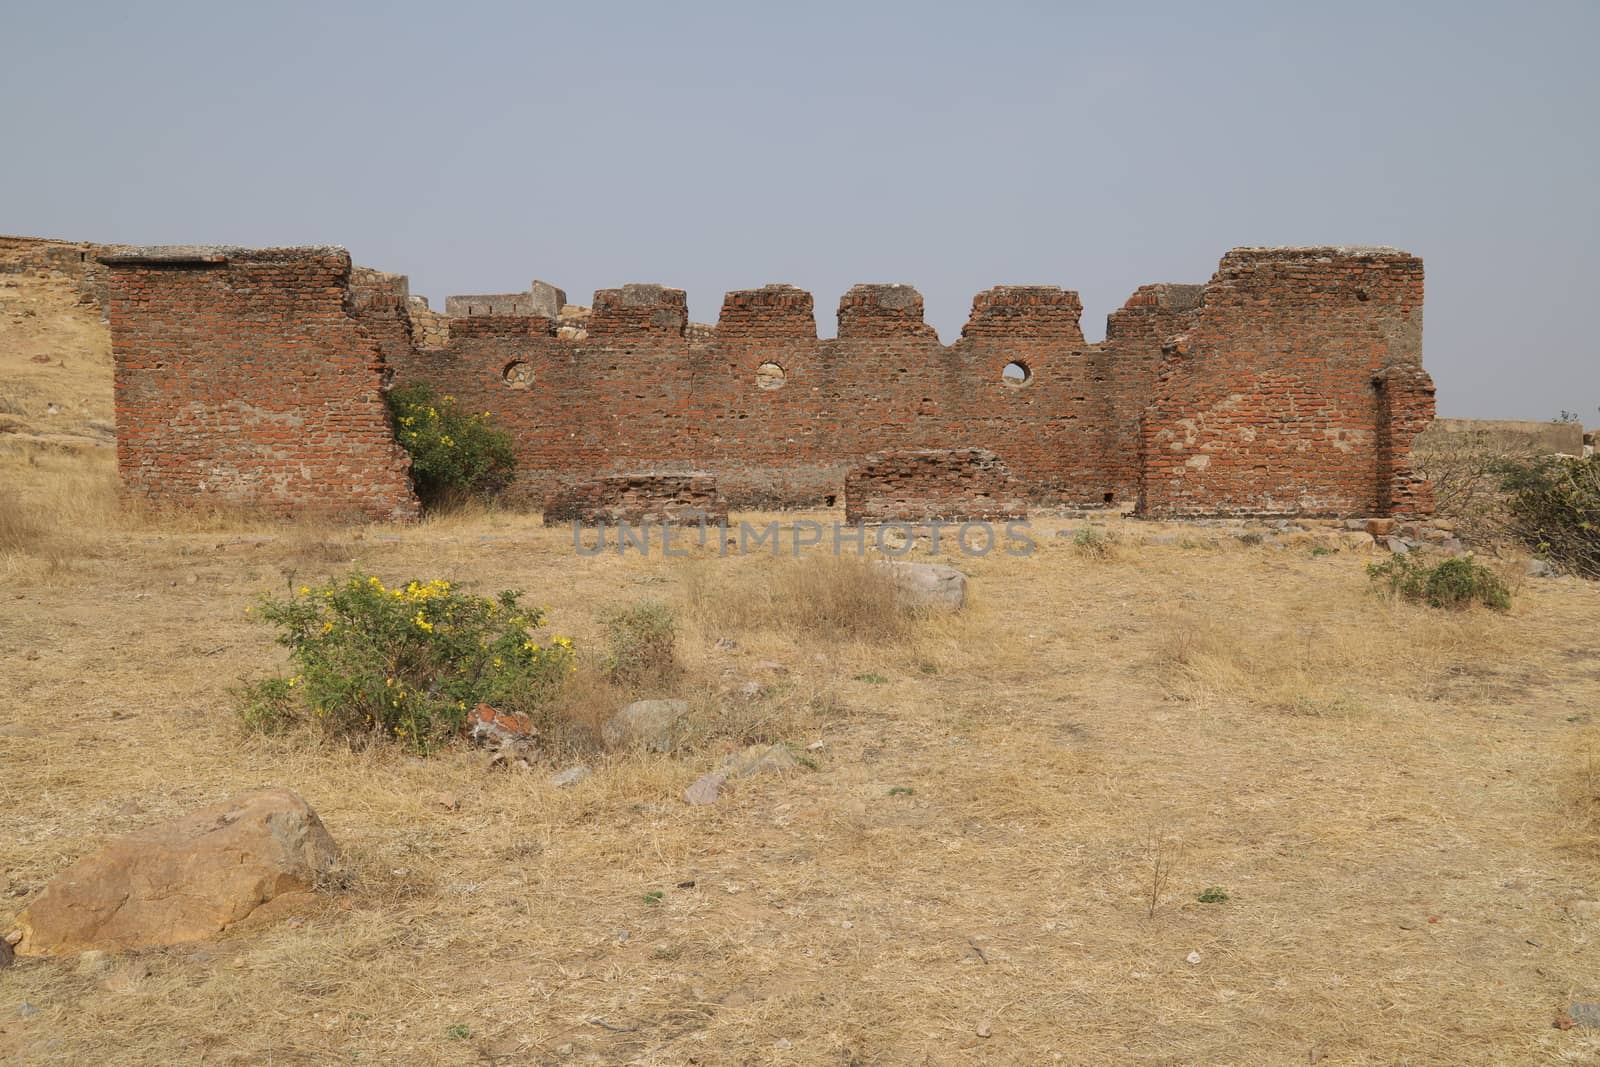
244, 378
780, 415
672, 496
930, 485
1296, 389
1290, 384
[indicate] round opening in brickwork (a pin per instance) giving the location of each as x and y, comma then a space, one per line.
1361, 295
518, 374
1016, 374
769, 376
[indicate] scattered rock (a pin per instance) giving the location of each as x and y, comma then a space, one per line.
489, 728
928, 585
985, 1028
1585, 1015
41, 358
1396, 545
1380, 527
1540, 568
758, 758
646, 724
816, 746
1163, 539
448, 801
1193, 957
26, 1010
773, 666
181, 881
570, 777
725, 644
705, 789
751, 690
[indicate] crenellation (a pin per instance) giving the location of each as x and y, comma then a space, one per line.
1026, 311
882, 311
1290, 383
638, 308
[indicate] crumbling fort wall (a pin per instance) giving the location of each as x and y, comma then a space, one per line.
1296, 390
244, 378
780, 415
1290, 384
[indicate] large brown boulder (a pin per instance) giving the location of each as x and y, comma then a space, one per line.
181, 881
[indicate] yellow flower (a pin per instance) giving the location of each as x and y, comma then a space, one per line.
327, 627
305, 590
291, 682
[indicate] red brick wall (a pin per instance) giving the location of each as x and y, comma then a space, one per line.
637, 394
1289, 384
242, 378
636, 498
928, 485
1296, 390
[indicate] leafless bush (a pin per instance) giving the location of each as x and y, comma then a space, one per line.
1465, 469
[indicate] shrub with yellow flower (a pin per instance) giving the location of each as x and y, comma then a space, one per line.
404, 662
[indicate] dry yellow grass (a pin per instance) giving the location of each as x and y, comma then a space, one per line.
1393, 798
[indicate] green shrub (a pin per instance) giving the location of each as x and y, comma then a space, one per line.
1554, 502
641, 643
1452, 583
1095, 544
405, 663
455, 454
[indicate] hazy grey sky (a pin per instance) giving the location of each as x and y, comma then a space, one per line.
475, 146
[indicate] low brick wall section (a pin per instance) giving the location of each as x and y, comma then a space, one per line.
928, 485
679, 496
1566, 438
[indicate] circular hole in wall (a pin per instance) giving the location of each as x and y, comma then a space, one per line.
769, 376
1016, 373
518, 374
1361, 294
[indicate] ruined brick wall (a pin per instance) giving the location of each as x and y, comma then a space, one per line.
780, 415
636, 498
1296, 390
243, 377
381, 303
929, 485
78, 260
1290, 383
542, 298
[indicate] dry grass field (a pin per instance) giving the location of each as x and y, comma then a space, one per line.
1397, 802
